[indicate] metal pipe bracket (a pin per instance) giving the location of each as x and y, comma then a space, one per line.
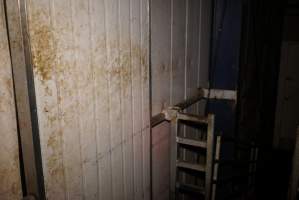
171, 113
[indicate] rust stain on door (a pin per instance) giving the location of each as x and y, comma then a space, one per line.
44, 45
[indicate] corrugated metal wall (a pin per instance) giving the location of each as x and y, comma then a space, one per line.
91, 76
180, 60
10, 183
91, 73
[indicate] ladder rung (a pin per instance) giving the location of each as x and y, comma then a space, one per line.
192, 118
190, 188
196, 167
191, 142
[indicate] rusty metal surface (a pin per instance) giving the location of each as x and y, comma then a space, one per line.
91, 74
10, 182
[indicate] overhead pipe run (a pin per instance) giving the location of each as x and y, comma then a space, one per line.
202, 93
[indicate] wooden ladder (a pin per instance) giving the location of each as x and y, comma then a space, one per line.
209, 147
204, 148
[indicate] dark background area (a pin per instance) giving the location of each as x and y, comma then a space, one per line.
263, 30
246, 47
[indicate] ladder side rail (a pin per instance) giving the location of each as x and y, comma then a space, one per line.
216, 167
173, 158
295, 170
209, 154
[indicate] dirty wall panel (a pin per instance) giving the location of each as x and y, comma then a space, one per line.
180, 61
192, 54
204, 49
160, 85
114, 85
10, 181
126, 103
145, 85
92, 89
178, 51
204, 42
102, 99
85, 93
52, 43
136, 97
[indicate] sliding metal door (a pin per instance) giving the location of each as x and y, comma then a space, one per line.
10, 181
86, 69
